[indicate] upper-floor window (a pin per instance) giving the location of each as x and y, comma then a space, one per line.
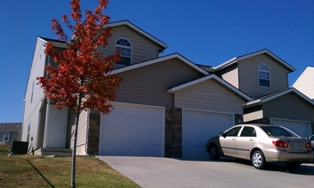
263, 75
125, 48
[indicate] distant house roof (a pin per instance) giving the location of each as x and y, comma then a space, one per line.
264, 51
140, 31
211, 77
160, 59
275, 95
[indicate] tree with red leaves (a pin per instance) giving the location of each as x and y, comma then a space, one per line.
81, 79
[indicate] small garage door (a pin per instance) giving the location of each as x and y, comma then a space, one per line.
198, 127
301, 128
133, 130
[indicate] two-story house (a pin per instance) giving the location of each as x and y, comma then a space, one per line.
166, 105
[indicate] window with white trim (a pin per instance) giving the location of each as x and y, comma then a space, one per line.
6, 137
263, 75
125, 48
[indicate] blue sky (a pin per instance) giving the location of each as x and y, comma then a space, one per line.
206, 32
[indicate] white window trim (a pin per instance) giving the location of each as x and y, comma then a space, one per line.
122, 46
258, 71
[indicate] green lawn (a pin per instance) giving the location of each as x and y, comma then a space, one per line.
36, 171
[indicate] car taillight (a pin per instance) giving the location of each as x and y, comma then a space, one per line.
308, 145
281, 144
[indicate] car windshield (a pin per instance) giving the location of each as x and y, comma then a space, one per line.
278, 132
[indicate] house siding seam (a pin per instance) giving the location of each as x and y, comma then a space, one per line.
208, 95
148, 85
173, 132
248, 76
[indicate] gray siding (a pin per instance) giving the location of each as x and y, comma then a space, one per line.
289, 106
208, 95
248, 76
142, 49
149, 84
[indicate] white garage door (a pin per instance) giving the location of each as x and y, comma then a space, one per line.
301, 128
133, 130
198, 127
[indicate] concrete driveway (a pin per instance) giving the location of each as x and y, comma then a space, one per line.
153, 172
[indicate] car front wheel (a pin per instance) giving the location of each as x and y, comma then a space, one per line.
213, 152
258, 159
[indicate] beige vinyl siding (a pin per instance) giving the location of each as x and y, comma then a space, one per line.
248, 76
230, 75
142, 48
208, 95
81, 132
149, 84
289, 106
251, 116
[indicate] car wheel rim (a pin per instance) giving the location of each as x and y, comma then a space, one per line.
212, 151
257, 159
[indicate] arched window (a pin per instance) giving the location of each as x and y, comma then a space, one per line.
264, 75
126, 51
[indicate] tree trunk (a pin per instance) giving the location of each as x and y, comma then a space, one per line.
73, 184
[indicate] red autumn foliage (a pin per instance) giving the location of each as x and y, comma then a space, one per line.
82, 72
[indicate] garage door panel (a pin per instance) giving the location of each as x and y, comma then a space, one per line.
198, 127
133, 130
301, 128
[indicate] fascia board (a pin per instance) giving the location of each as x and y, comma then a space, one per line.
56, 44
229, 62
174, 89
258, 101
270, 54
224, 83
138, 65
125, 22
288, 91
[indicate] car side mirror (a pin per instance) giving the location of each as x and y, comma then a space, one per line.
223, 134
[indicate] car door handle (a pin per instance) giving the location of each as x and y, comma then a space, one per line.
233, 139
251, 139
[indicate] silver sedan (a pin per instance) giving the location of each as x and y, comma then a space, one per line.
261, 144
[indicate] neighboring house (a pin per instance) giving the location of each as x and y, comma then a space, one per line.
10, 132
305, 82
166, 106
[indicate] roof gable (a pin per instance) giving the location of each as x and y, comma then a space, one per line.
264, 51
221, 81
138, 30
160, 59
276, 95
